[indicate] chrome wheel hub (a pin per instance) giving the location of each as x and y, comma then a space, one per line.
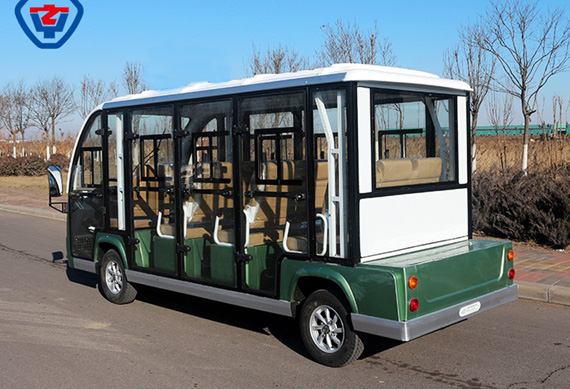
114, 277
326, 329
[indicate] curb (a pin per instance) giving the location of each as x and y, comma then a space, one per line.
43, 213
546, 293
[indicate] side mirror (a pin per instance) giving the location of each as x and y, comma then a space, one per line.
55, 182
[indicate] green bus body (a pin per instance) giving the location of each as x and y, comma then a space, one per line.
448, 276
341, 196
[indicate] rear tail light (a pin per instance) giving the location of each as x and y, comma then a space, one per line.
414, 305
511, 255
413, 282
512, 274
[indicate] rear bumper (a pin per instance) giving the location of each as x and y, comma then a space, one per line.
420, 326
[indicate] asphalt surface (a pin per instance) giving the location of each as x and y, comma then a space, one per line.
57, 331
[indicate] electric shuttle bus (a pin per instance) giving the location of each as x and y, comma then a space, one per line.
340, 196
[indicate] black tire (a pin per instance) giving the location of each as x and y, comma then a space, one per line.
113, 281
331, 342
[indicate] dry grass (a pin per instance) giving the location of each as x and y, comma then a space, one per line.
37, 148
501, 153
32, 185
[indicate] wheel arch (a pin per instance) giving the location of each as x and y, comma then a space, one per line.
307, 281
106, 242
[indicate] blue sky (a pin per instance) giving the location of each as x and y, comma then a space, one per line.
187, 41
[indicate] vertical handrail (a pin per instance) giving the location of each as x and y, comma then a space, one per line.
331, 152
341, 173
336, 196
121, 218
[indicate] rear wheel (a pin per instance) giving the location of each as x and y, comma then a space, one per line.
113, 282
326, 330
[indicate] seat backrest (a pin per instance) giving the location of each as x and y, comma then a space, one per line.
407, 171
146, 203
208, 203
426, 170
321, 185
393, 172
275, 211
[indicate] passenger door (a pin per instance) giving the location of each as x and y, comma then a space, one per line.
153, 190
207, 186
86, 203
273, 178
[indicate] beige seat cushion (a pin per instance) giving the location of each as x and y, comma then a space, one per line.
407, 171
393, 172
426, 170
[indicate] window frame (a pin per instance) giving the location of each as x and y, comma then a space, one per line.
415, 188
79, 158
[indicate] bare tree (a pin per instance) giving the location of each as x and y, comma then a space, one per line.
346, 43
281, 59
7, 120
540, 115
113, 89
470, 63
52, 102
133, 80
500, 114
93, 93
531, 48
15, 114
40, 112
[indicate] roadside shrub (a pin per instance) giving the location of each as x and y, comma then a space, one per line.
8, 166
59, 160
532, 208
22, 166
31, 166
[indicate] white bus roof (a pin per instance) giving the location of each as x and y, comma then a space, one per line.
386, 76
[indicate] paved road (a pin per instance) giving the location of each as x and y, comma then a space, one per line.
56, 331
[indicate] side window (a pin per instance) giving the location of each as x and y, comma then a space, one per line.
206, 151
152, 166
276, 138
414, 139
88, 169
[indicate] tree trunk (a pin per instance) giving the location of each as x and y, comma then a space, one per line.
526, 138
473, 143
14, 151
23, 151
54, 149
48, 156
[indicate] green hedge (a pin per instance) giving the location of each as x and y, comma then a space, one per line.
532, 208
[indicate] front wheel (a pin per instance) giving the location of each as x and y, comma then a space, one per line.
113, 282
326, 331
